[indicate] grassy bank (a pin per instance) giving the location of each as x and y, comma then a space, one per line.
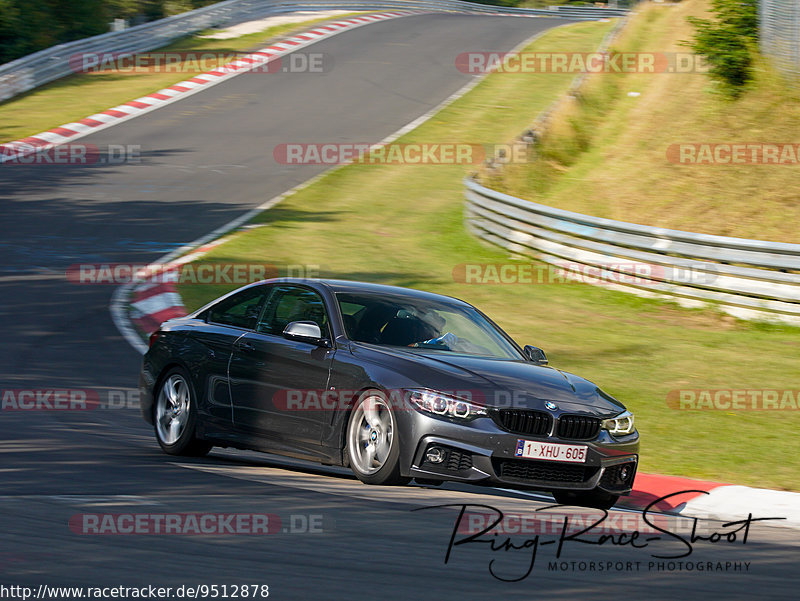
77, 96
607, 154
403, 224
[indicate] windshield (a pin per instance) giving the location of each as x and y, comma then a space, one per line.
396, 320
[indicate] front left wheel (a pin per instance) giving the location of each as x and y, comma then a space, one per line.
175, 414
372, 444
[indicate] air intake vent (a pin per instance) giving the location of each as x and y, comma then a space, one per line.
534, 423
578, 427
544, 472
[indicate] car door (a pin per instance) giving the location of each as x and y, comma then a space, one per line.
212, 337
266, 368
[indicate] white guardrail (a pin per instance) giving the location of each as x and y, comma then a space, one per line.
53, 63
750, 279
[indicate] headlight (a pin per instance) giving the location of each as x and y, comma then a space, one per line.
444, 405
622, 424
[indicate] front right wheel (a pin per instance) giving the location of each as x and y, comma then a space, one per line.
372, 444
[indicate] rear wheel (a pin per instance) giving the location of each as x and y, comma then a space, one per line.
175, 414
372, 445
599, 499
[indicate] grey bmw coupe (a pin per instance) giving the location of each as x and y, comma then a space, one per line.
392, 382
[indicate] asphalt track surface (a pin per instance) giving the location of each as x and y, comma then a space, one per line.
208, 159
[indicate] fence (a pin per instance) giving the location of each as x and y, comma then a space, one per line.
53, 63
779, 34
750, 279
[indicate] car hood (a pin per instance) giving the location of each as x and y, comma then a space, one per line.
497, 382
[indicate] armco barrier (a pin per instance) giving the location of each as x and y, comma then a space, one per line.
53, 63
750, 279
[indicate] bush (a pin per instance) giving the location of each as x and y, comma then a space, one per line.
728, 42
30, 25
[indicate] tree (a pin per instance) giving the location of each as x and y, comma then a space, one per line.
9, 17
76, 19
27, 26
728, 42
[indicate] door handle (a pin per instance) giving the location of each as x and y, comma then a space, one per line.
247, 346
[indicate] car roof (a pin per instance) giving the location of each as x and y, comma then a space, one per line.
349, 286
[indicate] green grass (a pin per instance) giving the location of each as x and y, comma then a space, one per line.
607, 155
403, 224
77, 96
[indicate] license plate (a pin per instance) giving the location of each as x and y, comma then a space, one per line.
548, 451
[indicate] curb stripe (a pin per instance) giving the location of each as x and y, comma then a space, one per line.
649, 487
154, 304
63, 131
152, 290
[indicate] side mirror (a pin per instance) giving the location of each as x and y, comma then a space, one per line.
535, 355
305, 331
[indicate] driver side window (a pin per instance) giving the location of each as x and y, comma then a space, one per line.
292, 303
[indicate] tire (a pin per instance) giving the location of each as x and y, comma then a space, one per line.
175, 416
598, 499
372, 446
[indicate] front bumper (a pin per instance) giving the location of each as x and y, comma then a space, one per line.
481, 452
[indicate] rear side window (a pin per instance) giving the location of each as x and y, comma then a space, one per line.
241, 310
